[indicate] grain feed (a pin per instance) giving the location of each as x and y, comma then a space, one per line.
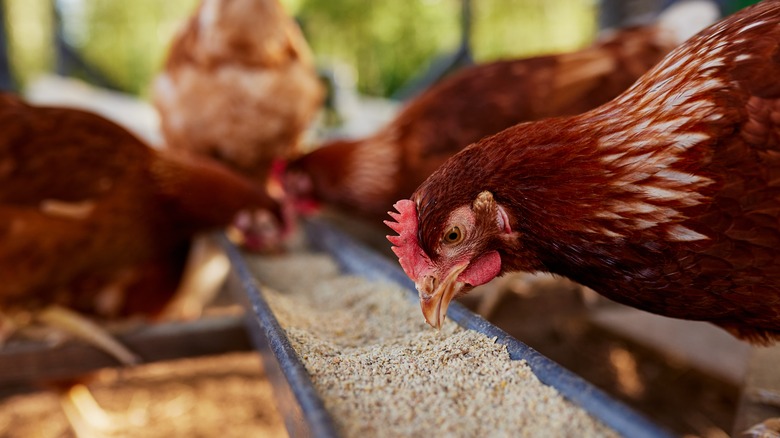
382, 372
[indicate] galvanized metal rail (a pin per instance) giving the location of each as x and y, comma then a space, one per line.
299, 402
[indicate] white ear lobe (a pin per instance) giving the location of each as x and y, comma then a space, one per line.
503, 219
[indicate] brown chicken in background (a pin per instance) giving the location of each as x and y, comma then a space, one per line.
367, 175
239, 85
94, 220
94, 223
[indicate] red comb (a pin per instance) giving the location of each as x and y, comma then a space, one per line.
405, 244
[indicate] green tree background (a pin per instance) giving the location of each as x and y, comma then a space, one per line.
386, 42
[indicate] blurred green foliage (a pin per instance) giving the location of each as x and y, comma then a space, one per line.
735, 5
30, 37
385, 41
389, 41
127, 40
515, 28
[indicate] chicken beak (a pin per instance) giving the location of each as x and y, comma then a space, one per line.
435, 296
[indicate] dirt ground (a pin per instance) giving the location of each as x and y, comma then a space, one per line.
222, 396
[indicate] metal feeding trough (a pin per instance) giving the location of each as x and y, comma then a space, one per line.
298, 401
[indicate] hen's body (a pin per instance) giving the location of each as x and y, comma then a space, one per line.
666, 198
368, 175
93, 219
239, 85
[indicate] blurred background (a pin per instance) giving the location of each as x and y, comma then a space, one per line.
384, 43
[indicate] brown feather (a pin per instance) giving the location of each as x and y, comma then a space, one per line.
86, 207
467, 106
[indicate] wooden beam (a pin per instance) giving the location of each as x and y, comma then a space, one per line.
23, 363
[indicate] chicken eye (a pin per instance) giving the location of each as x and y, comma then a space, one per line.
453, 236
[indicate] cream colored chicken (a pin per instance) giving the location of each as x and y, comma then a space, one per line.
239, 85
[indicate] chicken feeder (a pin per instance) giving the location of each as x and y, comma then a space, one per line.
298, 401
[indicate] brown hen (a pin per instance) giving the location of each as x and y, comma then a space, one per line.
666, 198
94, 220
367, 175
239, 85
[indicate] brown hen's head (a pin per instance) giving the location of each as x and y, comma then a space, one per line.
306, 177
358, 176
266, 230
259, 221
462, 257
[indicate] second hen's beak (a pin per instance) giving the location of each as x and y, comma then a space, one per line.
435, 296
